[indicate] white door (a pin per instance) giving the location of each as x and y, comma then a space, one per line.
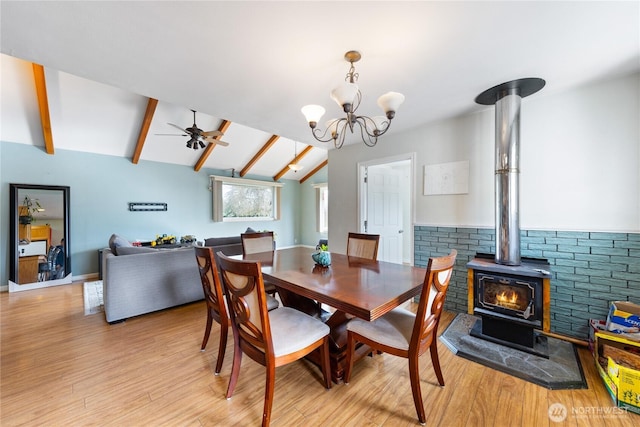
385, 210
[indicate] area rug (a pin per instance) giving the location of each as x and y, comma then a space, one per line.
562, 370
93, 302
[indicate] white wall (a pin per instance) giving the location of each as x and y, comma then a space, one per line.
579, 161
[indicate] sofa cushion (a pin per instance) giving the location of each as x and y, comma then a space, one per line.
132, 250
116, 242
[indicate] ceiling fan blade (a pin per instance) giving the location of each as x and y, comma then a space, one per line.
212, 133
215, 141
179, 128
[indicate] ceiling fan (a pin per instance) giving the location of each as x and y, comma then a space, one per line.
198, 137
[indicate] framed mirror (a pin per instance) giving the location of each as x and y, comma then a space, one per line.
39, 233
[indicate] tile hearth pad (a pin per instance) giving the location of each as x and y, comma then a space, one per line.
561, 371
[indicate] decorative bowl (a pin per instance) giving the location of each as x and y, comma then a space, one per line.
322, 258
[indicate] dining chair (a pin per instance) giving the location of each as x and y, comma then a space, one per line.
363, 245
257, 242
271, 338
214, 298
403, 333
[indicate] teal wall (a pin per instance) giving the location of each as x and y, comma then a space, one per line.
102, 186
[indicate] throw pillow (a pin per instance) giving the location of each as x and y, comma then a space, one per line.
116, 242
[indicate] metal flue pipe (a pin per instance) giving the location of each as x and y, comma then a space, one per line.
506, 97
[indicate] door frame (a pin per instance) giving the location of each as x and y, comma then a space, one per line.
362, 193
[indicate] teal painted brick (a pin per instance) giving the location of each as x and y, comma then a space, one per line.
578, 278
483, 237
468, 242
573, 234
529, 240
622, 252
486, 231
625, 260
608, 281
633, 253
466, 230
591, 257
561, 241
447, 240
541, 233
600, 287
556, 296
605, 243
575, 249
607, 266
555, 254
592, 272
609, 296
562, 269
627, 244
608, 236
531, 254
541, 247
572, 263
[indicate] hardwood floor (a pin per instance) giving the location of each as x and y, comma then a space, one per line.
60, 367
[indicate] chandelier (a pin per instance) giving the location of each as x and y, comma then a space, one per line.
348, 96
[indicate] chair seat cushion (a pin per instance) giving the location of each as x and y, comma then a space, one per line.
394, 329
293, 330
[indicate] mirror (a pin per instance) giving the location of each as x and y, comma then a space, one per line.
39, 233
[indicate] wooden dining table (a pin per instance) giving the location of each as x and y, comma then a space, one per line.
353, 287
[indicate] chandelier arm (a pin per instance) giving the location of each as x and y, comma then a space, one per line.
368, 139
319, 135
339, 140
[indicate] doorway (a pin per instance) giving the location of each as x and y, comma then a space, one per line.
385, 205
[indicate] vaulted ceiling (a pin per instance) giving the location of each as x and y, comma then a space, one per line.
248, 68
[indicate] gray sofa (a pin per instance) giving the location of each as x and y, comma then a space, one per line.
139, 283
140, 280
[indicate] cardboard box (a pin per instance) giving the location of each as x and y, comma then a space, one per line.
624, 316
622, 383
595, 325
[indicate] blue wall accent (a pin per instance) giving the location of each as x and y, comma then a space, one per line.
589, 269
102, 186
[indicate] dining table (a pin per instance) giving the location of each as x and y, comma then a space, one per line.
350, 287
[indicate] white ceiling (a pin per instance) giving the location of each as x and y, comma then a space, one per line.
257, 63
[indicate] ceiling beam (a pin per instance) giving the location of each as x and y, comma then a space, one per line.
209, 148
43, 106
259, 154
296, 159
314, 171
144, 129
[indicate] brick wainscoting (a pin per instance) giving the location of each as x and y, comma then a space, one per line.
589, 269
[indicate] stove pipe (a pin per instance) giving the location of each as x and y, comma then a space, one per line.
507, 97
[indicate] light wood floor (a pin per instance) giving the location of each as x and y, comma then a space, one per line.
61, 368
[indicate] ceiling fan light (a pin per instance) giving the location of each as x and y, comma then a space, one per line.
295, 167
201, 144
345, 94
313, 113
390, 101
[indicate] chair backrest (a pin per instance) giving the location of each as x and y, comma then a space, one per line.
363, 245
434, 292
257, 242
246, 299
211, 285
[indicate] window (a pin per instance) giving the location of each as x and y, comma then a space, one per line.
236, 199
322, 207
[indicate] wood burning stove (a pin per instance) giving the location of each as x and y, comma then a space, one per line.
511, 301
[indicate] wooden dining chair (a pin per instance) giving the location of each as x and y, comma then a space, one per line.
271, 338
402, 333
214, 298
257, 242
363, 245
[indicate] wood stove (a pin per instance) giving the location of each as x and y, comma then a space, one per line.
511, 301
